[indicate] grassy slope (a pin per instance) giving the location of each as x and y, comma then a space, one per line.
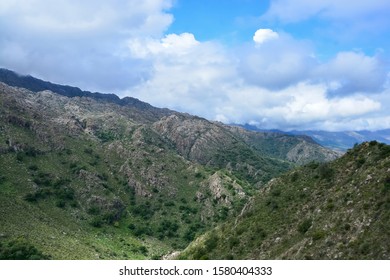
84, 179
74, 195
329, 211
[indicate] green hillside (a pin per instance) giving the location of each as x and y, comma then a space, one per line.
338, 210
100, 178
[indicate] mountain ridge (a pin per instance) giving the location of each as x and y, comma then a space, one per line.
87, 178
337, 210
36, 85
336, 140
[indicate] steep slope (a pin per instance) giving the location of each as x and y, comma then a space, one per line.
338, 210
81, 178
298, 149
213, 145
85, 177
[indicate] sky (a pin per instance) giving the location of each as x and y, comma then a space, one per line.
274, 64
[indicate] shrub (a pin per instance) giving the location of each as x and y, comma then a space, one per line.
33, 167
60, 203
276, 192
97, 222
88, 151
313, 165
294, 177
319, 234
386, 184
304, 226
19, 156
30, 197
211, 242
20, 249
325, 171
373, 143
360, 161
143, 250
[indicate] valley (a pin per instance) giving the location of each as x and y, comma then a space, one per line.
91, 176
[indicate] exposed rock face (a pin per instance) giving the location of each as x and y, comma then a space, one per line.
106, 161
195, 138
297, 149
303, 152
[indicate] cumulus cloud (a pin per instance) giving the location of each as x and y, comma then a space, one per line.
188, 75
274, 86
275, 81
171, 45
263, 35
77, 41
277, 63
352, 72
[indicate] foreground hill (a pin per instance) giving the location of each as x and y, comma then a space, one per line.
338, 210
88, 176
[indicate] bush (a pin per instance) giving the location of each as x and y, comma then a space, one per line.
97, 222
386, 184
143, 250
294, 177
88, 151
276, 192
211, 242
304, 226
360, 161
319, 234
20, 249
325, 171
33, 167
60, 203
30, 197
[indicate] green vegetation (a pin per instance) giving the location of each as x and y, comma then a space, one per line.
85, 178
20, 249
338, 210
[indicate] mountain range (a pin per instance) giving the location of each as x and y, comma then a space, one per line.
91, 176
336, 140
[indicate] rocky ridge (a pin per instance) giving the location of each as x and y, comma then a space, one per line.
142, 181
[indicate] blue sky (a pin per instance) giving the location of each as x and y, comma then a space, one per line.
277, 64
232, 22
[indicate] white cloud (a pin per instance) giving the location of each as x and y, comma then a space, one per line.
352, 72
302, 106
276, 64
69, 41
298, 10
171, 44
202, 78
120, 46
188, 75
263, 35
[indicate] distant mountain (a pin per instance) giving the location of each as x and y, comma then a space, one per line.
92, 176
345, 140
341, 141
337, 210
